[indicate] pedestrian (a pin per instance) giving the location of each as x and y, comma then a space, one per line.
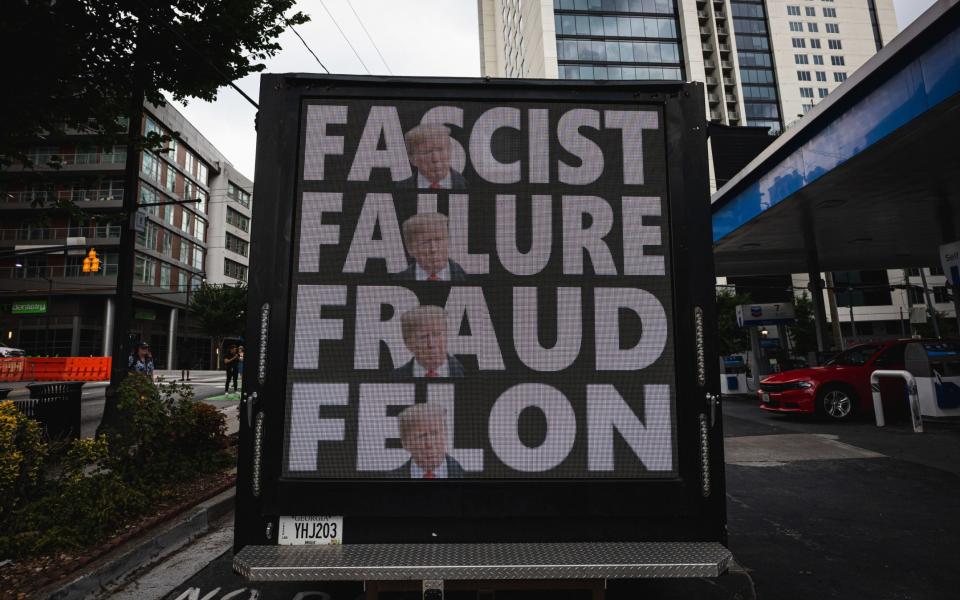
141, 360
185, 364
231, 362
240, 356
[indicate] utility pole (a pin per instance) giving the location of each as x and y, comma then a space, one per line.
834, 313
930, 308
120, 348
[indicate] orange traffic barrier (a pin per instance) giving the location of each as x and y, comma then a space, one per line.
72, 368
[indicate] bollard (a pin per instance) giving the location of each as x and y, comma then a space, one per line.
913, 398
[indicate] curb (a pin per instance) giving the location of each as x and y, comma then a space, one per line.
148, 551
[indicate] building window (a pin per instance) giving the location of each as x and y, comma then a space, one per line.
234, 269
837, 61
803, 75
821, 76
814, 42
812, 28
830, 12
165, 275
839, 76
150, 166
237, 219
817, 59
806, 92
811, 11
242, 197
799, 43
801, 59
823, 92
200, 229
835, 44
796, 26
833, 28
793, 11
238, 245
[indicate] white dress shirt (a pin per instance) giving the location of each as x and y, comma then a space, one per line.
439, 473
442, 275
421, 371
443, 184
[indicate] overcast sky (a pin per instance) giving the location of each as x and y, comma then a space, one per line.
416, 37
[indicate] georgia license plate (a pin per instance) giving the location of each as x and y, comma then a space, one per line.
310, 531
765, 398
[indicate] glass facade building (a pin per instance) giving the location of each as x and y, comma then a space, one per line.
761, 101
618, 39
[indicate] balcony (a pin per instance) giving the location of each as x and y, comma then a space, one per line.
44, 278
47, 234
25, 199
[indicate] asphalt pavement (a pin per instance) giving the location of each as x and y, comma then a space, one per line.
815, 510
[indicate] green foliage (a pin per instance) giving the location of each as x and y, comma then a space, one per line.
803, 331
221, 309
98, 485
731, 338
96, 52
22, 452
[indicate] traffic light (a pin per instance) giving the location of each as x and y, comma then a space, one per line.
91, 264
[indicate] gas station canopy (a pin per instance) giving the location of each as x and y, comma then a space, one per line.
869, 179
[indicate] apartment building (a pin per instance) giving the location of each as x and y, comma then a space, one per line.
49, 306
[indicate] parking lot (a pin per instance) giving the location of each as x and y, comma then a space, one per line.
823, 510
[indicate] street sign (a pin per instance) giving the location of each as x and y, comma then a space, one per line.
29, 307
485, 316
950, 261
780, 313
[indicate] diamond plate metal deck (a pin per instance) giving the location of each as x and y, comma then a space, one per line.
370, 562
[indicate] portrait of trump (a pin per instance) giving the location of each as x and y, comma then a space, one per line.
423, 433
427, 239
429, 150
424, 330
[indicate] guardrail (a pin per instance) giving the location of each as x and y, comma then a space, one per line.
70, 368
913, 398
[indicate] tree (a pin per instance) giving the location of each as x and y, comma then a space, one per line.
79, 62
731, 337
221, 310
803, 331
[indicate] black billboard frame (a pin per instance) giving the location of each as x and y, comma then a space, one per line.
689, 508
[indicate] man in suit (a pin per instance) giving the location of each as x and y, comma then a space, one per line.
424, 331
427, 239
423, 433
428, 149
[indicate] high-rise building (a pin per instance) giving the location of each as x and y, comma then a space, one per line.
763, 62
49, 306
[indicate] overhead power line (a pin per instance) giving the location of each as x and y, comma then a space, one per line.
307, 46
369, 37
355, 53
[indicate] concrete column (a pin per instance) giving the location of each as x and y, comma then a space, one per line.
75, 337
172, 339
108, 327
816, 284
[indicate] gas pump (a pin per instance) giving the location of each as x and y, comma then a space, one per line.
935, 365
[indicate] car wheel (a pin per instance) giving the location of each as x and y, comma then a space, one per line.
836, 403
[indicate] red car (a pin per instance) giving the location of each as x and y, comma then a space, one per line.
838, 390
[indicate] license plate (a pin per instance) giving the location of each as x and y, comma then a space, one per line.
765, 398
310, 531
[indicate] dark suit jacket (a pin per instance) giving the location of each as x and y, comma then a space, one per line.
406, 371
457, 181
457, 274
454, 470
